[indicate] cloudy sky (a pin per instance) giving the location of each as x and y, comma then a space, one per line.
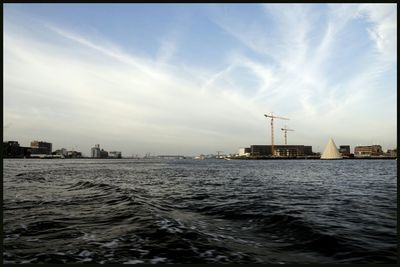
198, 78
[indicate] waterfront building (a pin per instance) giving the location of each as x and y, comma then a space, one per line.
260, 150
115, 154
201, 157
392, 153
281, 150
40, 147
103, 154
374, 150
74, 154
12, 149
95, 151
27, 151
331, 151
286, 152
62, 152
244, 152
344, 150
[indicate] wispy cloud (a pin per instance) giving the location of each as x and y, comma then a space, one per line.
383, 30
297, 62
303, 62
124, 97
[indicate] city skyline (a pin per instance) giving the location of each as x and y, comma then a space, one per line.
192, 79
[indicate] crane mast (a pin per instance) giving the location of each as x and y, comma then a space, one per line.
272, 129
285, 130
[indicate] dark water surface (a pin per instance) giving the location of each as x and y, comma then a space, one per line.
188, 211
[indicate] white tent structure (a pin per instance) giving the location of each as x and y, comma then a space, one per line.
331, 151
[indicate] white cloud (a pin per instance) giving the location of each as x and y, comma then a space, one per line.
91, 91
301, 73
384, 27
118, 97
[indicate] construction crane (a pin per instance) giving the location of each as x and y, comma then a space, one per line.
272, 129
285, 130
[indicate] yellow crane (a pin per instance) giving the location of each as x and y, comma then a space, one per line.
285, 130
272, 129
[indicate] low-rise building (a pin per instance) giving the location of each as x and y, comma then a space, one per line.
281, 150
244, 152
103, 154
374, 150
11, 149
40, 147
286, 152
201, 157
344, 150
392, 153
115, 154
74, 154
61, 152
260, 150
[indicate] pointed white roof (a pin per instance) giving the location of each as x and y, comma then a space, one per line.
331, 151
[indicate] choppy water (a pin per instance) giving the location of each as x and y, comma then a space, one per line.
211, 211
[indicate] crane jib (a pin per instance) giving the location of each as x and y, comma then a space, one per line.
276, 117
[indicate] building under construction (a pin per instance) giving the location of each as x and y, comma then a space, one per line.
281, 150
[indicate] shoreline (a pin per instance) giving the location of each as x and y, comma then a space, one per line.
247, 158
313, 158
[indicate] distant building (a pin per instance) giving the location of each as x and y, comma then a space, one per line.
95, 151
201, 157
260, 150
115, 154
74, 154
344, 150
281, 150
11, 149
374, 150
392, 153
103, 154
62, 152
286, 152
40, 147
26, 151
244, 152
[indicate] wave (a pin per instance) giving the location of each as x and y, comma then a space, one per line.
165, 214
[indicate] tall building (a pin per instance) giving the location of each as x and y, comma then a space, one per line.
40, 147
374, 150
95, 151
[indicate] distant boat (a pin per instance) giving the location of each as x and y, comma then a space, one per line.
331, 151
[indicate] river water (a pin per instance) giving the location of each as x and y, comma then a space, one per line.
199, 211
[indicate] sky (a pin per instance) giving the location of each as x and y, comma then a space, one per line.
190, 79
